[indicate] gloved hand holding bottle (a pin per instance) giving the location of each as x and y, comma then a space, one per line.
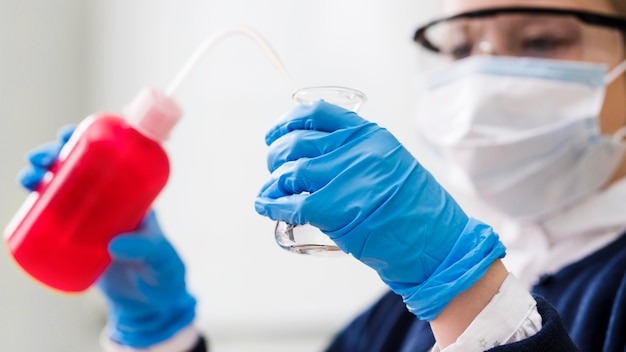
355, 181
145, 283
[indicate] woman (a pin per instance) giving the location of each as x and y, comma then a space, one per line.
510, 133
523, 119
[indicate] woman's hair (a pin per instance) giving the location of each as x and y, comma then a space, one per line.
620, 6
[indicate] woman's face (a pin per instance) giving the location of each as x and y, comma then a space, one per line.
613, 115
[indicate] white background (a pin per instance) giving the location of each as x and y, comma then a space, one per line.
63, 60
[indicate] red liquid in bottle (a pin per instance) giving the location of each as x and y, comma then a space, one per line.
103, 183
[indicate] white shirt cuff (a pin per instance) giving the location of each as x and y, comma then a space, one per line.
510, 316
184, 340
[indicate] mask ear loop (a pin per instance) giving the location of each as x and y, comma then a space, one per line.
620, 135
615, 73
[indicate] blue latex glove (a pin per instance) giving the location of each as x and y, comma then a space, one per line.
353, 180
145, 283
42, 158
145, 288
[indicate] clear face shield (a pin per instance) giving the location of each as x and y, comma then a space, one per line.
543, 33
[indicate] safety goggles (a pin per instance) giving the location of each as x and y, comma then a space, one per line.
549, 33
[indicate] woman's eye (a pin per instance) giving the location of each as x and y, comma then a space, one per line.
460, 51
544, 46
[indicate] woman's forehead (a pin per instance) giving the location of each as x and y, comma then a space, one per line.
453, 7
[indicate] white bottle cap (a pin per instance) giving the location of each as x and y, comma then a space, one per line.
153, 114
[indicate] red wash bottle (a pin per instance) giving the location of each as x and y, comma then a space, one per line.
103, 183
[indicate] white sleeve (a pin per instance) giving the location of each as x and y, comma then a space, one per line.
510, 316
184, 340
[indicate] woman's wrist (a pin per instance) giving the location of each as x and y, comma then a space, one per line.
465, 307
183, 340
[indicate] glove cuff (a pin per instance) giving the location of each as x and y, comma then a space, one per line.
475, 250
154, 328
183, 340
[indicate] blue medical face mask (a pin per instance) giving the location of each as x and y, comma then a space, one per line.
521, 135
